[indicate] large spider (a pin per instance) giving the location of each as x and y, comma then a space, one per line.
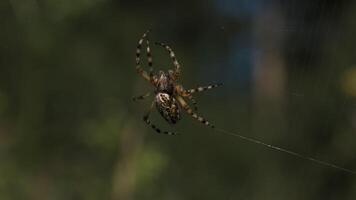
169, 95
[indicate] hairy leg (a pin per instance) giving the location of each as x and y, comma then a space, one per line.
184, 93
141, 97
203, 88
173, 57
154, 127
191, 113
139, 69
194, 102
149, 58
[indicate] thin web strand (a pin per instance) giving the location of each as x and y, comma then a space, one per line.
320, 162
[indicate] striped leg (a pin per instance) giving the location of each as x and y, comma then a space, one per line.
149, 57
173, 57
191, 113
139, 69
141, 97
184, 93
201, 89
154, 127
194, 102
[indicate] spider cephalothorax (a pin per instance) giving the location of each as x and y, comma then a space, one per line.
169, 95
165, 83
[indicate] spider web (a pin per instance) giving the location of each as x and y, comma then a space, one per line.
280, 149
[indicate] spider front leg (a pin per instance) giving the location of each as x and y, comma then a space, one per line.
203, 88
141, 97
191, 113
154, 127
149, 77
173, 57
149, 58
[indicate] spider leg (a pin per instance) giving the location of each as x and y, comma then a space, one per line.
139, 69
191, 113
185, 93
203, 88
141, 97
149, 57
173, 57
154, 127
194, 102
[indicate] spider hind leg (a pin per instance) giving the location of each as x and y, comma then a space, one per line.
194, 102
193, 114
154, 127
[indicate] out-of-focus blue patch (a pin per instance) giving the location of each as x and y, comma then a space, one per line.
240, 60
237, 65
242, 9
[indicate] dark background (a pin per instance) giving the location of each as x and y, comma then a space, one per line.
69, 130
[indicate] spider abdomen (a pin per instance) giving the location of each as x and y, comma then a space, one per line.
168, 107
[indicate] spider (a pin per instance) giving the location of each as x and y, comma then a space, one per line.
169, 95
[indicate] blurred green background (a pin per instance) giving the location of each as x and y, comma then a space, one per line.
69, 130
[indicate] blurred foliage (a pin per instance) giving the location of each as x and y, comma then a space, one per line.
68, 128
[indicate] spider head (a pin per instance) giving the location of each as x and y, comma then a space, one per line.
161, 73
171, 74
162, 79
164, 83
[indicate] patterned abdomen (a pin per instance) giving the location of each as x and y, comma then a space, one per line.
168, 107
